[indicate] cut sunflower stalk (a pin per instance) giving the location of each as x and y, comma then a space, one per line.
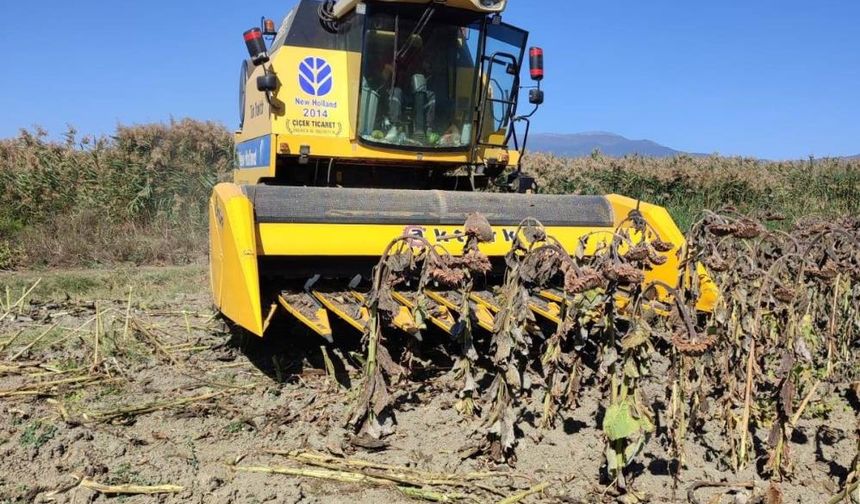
626, 346
561, 364
406, 258
472, 264
510, 345
371, 415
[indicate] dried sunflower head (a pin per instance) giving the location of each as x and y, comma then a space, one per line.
826, 273
534, 233
661, 246
748, 229
692, 344
784, 294
637, 253
447, 276
476, 262
716, 263
587, 279
751, 275
657, 259
445, 271
477, 226
624, 274
540, 266
721, 230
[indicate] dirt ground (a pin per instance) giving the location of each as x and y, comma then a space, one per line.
129, 378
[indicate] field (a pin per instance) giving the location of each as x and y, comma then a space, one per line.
119, 382
171, 398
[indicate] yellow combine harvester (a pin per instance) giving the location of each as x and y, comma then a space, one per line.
364, 121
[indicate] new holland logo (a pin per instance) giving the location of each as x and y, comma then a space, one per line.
315, 76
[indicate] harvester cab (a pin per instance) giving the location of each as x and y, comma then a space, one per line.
367, 121
419, 89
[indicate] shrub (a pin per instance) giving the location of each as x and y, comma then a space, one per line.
686, 184
8, 255
140, 195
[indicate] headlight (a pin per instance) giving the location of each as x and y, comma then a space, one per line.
493, 5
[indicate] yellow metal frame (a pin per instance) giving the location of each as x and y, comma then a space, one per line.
237, 242
443, 320
233, 258
483, 315
320, 323
358, 323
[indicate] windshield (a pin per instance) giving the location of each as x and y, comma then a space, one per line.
418, 77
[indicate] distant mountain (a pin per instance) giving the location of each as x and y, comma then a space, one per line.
583, 144
609, 144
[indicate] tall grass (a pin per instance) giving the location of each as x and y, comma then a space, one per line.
140, 195
686, 185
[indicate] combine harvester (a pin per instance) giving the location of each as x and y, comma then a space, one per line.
362, 122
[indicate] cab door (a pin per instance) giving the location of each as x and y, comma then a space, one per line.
503, 51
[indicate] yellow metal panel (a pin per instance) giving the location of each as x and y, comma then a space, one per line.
486, 300
552, 295
664, 225
548, 310
319, 322
320, 108
258, 110
314, 240
329, 301
344, 148
233, 258
251, 175
442, 317
482, 314
441, 299
485, 317
709, 292
403, 320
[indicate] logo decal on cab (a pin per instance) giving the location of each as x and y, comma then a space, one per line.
315, 76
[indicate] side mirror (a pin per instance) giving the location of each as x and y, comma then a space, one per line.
536, 63
536, 97
267, 83
256, 46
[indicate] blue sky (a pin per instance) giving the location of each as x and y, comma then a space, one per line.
770, 78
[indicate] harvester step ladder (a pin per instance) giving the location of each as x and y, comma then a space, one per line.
307, 310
